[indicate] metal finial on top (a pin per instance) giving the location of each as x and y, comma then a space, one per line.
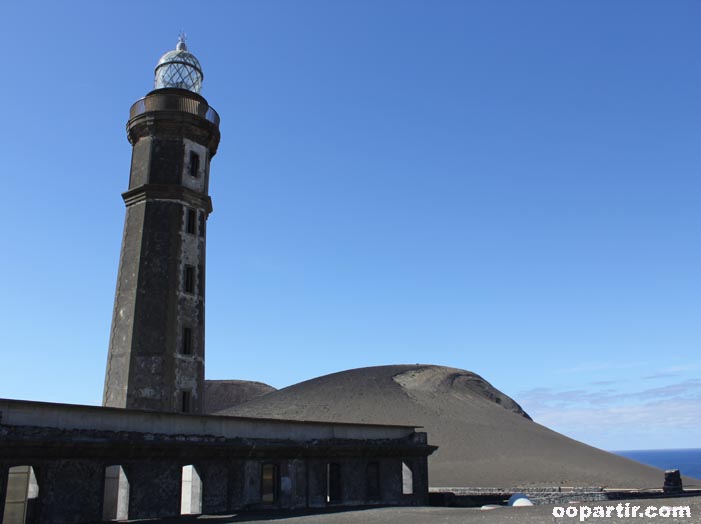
182, 46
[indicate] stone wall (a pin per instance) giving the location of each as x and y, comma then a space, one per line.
71, 416
476, 497
78, 482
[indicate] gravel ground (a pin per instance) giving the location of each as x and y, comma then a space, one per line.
435, 515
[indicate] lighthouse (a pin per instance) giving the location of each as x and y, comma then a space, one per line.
157, 340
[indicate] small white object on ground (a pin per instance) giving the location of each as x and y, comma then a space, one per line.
519, 500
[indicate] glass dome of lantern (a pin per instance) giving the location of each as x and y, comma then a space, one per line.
179, 68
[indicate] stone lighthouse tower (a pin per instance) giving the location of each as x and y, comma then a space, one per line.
156, 350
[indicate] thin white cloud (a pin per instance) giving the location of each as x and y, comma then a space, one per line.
663, 416
673, 371
586, 367
661, 375
661, 424
681, 389
548, 397
680, 369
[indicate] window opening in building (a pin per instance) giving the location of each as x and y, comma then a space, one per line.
269, 483
191, 221
185, 402
189, 279
200, 274
333, 483
22, 495
373, 480
115, 502
194, 164
407, 480
202, 222
187, 341
191, 491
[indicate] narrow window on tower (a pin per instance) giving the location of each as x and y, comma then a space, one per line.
185, 401
191, 221
187, 341
200, 274
189, 279
194, 164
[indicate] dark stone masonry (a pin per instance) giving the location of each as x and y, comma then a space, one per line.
672, 482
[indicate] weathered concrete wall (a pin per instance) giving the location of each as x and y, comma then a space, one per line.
71, 466
250, 494
66, 494
354, 481
316, 495
419, 468
215, 486
4, 470
293, 489
475, 497
199, 183
165, 161
69, 416
154, 488
118, 362
140, 162
190, 311
70, 490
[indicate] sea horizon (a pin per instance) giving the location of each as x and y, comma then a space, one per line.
686, 460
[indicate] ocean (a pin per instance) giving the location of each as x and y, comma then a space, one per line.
687, 461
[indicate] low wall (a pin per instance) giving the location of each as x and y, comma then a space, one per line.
84, 471
477, 497
72, 416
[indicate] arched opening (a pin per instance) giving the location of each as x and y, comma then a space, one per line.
115, 502
191, 491
372, 475
407, 480
333, 483
22, 494
269, 484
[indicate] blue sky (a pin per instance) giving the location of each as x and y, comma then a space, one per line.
506, 187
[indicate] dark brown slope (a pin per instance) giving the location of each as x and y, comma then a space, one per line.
484, 437
224, 394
